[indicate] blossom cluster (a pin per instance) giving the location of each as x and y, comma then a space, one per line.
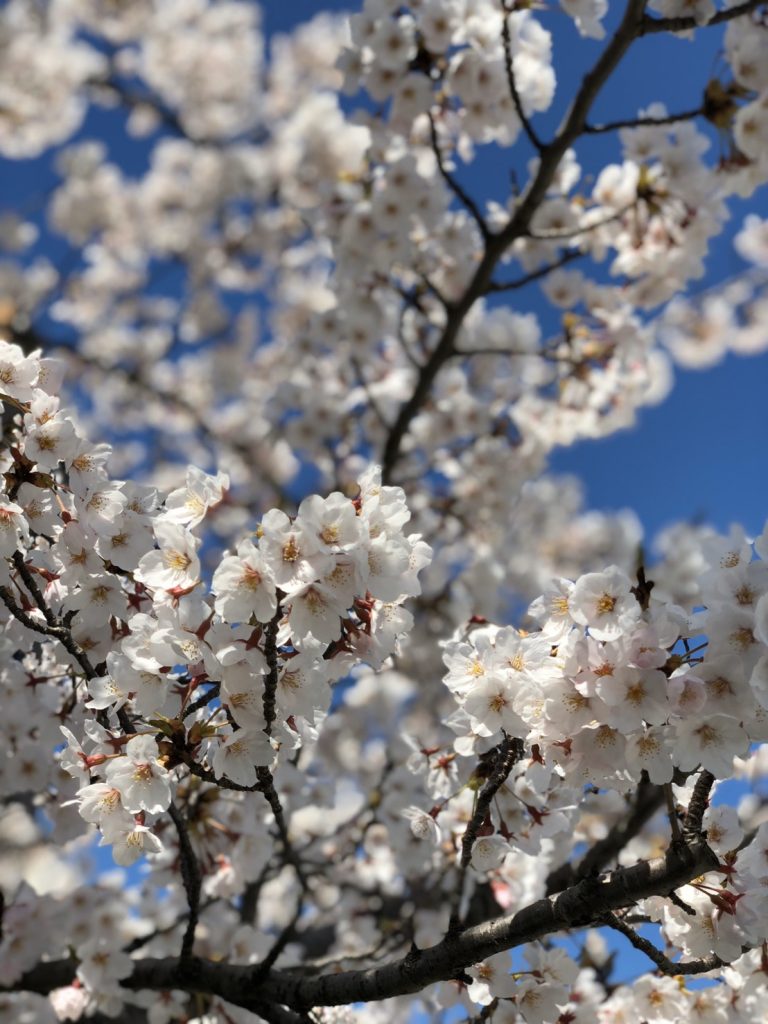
108, 623
616, 683
619, 685
245, 705
351, 218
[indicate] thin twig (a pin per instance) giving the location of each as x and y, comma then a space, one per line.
509, 353
650, 26
267, 786
55, 629
663, 963
458, 190
142, 940
34, 338
249, 901
222, 782
267, 782
528, 128
265, 966
535, 275
338, 962
642, 122
147, 100
497, 244
566, 233
203, 701
508, 752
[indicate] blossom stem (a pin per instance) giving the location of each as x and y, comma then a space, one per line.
508, 752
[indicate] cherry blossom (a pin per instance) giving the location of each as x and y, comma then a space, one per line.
360, 699
141, 780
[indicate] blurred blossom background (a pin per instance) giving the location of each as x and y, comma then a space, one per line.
697, 455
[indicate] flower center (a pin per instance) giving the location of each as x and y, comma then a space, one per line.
605, 604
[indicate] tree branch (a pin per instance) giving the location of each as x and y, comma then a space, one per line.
642, 122
270, 680
508, 752
650, 26
458, 190
664, 964
274, 1014
535, 275
223, 783
518, 226
579, 906
191, 877
557, 234
203, 700
648, 800
697, 806
32, 338
52, 627
510, 69
267, 786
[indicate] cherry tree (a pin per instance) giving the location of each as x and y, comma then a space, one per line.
322, 698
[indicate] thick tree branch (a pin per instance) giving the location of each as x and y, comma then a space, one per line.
579, 906
697, 806
191, 877
274, 1014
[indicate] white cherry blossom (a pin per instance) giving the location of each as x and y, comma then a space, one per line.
143, 783
176, 565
